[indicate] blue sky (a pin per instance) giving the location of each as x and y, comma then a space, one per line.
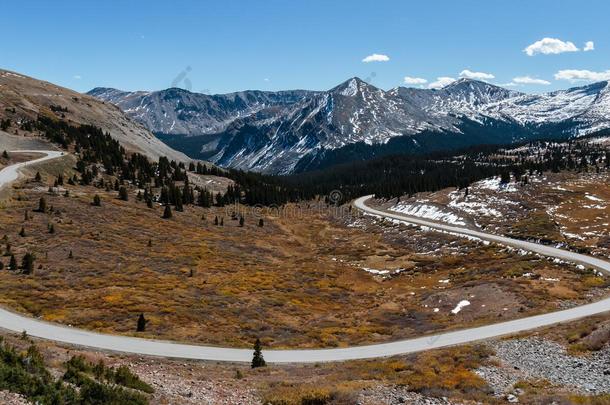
225, 46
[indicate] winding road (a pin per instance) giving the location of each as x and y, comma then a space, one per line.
125, 344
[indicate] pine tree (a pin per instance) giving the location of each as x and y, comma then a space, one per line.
216, 220
12, 265
149, 202
38, 177
27, 263
167, 213
22, 232
150, 243
179, 206
26, 216
42, 205
70, 255
257, 358
5, 155
123, 195
222, 221
261, 223
241, 220
97, 201
51, 228
141, 327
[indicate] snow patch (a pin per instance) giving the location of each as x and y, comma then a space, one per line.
429, 212
459, 306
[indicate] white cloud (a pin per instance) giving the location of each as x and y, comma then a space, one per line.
589, 46
376, 57
77, 77
530, 80
415, 80
476, 75
548, 46
575, 75
441, 82
266, 79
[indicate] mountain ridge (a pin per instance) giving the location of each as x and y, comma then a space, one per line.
278, 132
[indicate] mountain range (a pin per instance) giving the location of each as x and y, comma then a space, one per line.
292, 131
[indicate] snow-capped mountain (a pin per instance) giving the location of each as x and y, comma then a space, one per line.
283, 132
177, 111
588, 105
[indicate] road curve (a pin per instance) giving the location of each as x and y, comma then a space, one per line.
11, 173
125, 344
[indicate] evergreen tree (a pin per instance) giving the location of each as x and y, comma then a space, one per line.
26, 216
38, 177
167, 212
27, 263
51, 228
216, 220
12, 265
42, 205
149, 202
179, 206
70, 255
97, 201
123, 195
1, 266
5, 155
141, 327
241, 220
257, 358
22, 232
222, 221
261, 223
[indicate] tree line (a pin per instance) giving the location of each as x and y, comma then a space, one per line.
387, 177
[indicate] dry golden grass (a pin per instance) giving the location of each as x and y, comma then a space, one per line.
295, 282
447, 372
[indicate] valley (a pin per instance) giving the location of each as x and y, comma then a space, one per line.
103, 235
226, 285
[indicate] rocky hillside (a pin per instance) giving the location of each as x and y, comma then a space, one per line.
25, 98
293, 131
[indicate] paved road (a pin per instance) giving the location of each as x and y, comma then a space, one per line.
11, 173
78, 337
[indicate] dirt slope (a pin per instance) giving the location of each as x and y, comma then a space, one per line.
23, 97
